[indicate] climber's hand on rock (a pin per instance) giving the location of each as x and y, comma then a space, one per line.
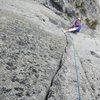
65, 31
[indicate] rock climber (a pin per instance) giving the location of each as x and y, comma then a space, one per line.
76, 27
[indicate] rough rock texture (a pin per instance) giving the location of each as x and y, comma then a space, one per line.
29, 55
84, 7
89, 8
87, 57
37, 61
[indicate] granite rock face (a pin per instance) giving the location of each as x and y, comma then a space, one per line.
38, 61
89, 8
81, 60
29, 56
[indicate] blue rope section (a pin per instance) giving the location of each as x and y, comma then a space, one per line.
77, 70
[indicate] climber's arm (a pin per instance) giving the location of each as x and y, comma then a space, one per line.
72, 29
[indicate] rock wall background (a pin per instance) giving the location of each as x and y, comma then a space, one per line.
37, 58
86, 8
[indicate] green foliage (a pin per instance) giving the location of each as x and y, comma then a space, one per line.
81, 6
91, 24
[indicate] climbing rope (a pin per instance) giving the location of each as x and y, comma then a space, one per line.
70, 40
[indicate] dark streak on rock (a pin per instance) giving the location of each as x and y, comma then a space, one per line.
59, 67
19, 94
94, 54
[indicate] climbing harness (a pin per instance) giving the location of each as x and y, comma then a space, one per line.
70, 41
